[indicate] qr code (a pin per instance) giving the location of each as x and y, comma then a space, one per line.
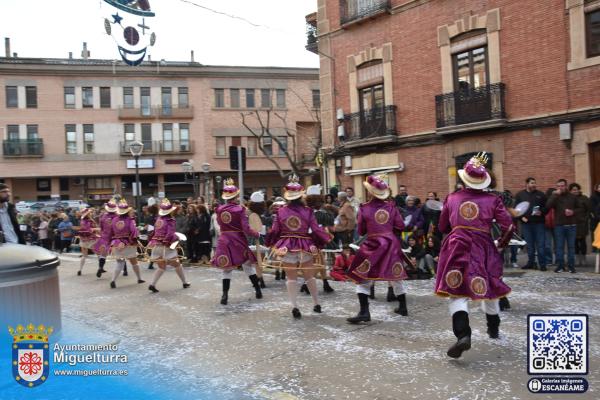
557, 344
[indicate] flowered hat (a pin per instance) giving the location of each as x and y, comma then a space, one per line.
230, 191
111, 205
293, 190
474, 174
123, 208
377, 186
166, 207
86, 212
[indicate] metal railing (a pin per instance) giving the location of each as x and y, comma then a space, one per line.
164, 112
161, 147
466, 106
23, 148
380, 121
353, 10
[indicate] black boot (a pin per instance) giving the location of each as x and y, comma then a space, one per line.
493, 324
504, 303
391, 296
326, 287
277, 275
401, 305
254, 280
304, 289
283, 274
226, 283
262, 282
372, 295
151, 265
462, 331
125, 270
101, 262
363, 315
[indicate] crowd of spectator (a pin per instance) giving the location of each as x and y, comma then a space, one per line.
560, 218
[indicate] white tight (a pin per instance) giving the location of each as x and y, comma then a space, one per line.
456, 304
365, 287
248, 268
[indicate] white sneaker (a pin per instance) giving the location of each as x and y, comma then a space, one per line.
515, 265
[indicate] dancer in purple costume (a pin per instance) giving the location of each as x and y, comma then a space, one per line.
470, 262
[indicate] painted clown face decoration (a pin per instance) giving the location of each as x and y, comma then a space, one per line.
128, 24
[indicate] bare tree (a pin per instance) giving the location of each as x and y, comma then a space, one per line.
265, 121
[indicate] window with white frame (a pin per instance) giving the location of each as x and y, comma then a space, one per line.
69, 97
70, 139
12, 99
280, 98
184, 137
88, 138
87, 97
220, 146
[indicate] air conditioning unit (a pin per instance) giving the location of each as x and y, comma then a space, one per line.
78, 181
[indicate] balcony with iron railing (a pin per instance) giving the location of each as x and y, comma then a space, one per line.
23, 148
157, 112
471, 109
312, 41
160, 147
353, 11
377, 125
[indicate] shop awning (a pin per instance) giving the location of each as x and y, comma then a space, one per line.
368, 171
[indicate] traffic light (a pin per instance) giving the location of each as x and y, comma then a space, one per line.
233, 158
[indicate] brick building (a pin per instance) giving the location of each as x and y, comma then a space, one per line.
413, 87
66, 126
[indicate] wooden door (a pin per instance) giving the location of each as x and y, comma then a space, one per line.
595, 164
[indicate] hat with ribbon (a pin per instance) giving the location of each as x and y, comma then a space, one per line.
166, 207
123, 208
474, 174
230, 191
377, 186
111, 205
293, 190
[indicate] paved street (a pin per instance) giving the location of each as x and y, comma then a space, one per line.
253, 348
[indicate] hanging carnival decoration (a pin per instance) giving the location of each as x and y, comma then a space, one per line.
127, 23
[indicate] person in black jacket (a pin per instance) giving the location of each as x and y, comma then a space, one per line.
9, 226
532, 223
595, 212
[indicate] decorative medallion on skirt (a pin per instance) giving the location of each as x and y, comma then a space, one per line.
454, 278
159, 224
478, 286
382, 217
364, 267
293, 223
397, 269
121, 245
225, 217
222, 261
102, 248
314, 250
469, 210
120, 225
282, 251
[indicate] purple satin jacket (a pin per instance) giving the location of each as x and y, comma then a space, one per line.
164, 232
124, 231
291, 230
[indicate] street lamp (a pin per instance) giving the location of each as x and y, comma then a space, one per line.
136, 148
218, 181
206, 170
190, 177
